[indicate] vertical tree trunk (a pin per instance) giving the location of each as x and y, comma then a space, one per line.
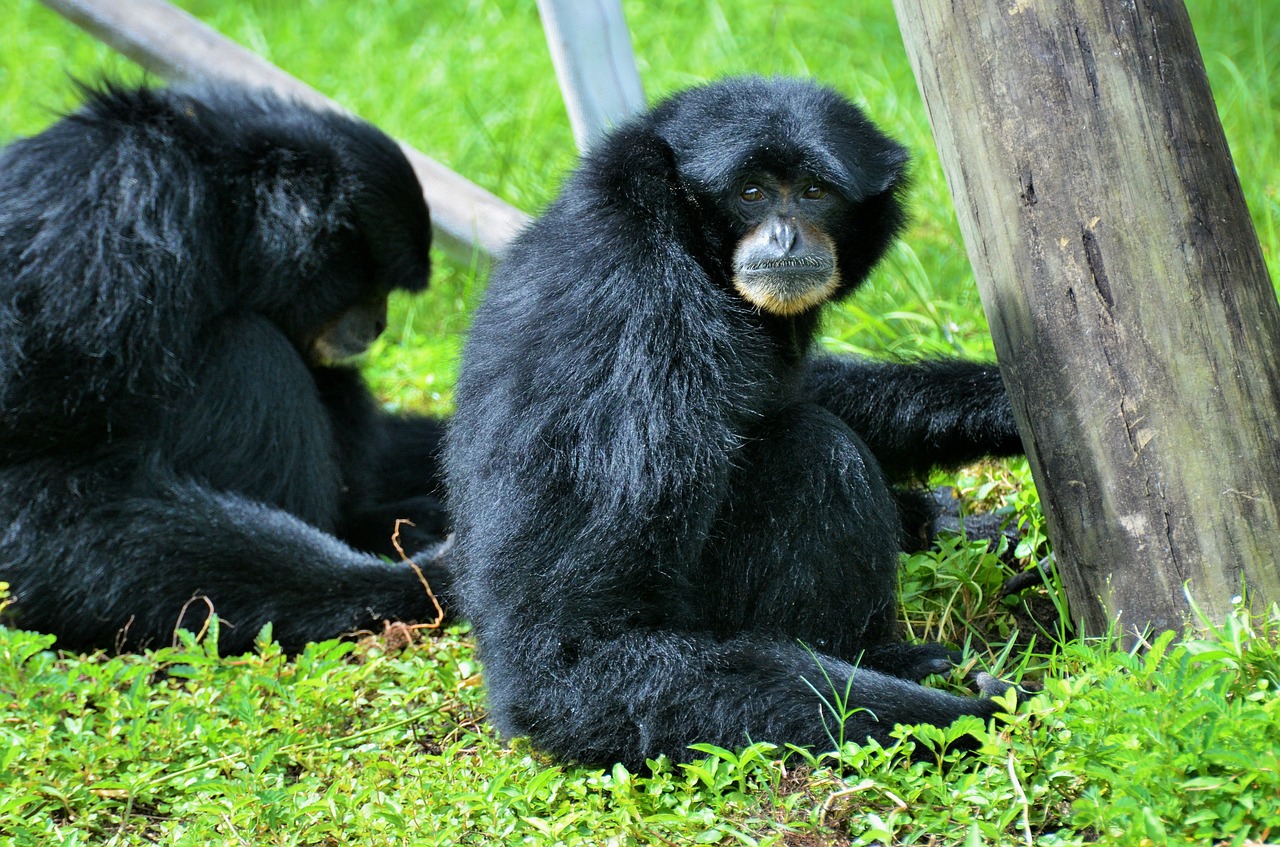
1132, 313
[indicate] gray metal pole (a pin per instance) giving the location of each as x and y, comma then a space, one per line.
595, 66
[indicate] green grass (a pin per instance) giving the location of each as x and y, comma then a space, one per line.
356, 745
367, 745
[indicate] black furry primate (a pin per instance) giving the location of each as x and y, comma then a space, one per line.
674, 524
181, 271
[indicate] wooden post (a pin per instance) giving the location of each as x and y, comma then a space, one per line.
1133, 317
591, 50
166, 40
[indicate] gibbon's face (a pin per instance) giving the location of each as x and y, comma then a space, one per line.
351, 333
785, 259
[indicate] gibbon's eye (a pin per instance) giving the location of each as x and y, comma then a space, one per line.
751, 193
814, 192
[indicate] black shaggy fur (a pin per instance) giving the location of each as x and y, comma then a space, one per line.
674, 524
166, 256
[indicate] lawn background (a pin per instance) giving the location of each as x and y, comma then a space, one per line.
372, 746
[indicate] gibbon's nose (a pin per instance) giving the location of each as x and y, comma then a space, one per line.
783, 233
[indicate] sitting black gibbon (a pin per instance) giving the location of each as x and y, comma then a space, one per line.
181, 273
676, 523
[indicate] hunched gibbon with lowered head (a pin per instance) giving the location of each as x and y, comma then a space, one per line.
181, 273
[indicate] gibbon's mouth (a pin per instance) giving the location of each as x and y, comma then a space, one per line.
334, 349
787, 287
800, 265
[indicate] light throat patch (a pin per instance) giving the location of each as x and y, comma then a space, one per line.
779, 294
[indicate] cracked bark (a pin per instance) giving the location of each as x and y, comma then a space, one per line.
1134, 320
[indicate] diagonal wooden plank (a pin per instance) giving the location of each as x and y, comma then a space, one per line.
465, 218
